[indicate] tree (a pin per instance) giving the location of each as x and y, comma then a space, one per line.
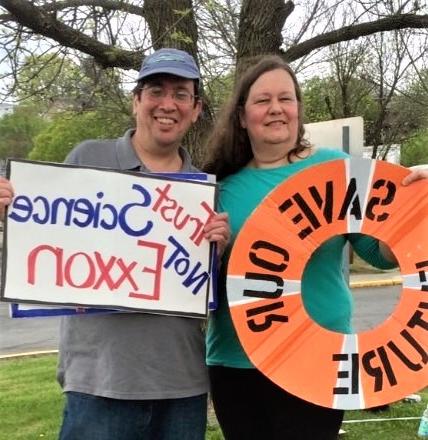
17, 131
119, 34
218, 89
409, 108
55, 83
415, 151
324, 99
316, 92
260, 26
365, 80
68, 129
57, 92
48, 81
390, 65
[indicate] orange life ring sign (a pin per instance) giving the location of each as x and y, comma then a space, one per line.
347, 371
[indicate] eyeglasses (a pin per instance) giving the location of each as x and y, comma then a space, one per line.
156, 93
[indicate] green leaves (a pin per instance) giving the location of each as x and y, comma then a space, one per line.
17, 130
415, 150
68, 129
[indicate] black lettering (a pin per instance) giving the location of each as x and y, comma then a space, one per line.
377, 372
406, 361
299, 217
374, 201
328, 205
416, 319
269, 265
344, 374
422, 274
309, 215
268, 319
349, 199
264, 277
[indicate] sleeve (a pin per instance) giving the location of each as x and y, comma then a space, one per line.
368, 249
74, 157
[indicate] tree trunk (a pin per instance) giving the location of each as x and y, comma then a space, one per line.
260, 28
172, 24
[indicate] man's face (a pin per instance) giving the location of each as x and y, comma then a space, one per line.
163, 114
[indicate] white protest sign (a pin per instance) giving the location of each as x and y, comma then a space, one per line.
102, 238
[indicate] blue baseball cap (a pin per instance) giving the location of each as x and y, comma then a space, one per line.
173, 61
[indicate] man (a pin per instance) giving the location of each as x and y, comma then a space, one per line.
137, 376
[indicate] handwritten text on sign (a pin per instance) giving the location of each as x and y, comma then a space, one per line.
93, 237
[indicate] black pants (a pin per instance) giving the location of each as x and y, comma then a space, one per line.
251, 407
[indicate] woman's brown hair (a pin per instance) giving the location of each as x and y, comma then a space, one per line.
228, 146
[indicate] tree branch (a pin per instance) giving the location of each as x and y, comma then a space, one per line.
110, 5
355, 31
43, 23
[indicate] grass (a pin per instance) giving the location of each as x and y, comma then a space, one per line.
31, 407
30, 399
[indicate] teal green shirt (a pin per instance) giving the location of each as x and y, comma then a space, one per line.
326, 294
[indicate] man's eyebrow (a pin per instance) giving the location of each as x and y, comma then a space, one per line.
159, 83
154, 83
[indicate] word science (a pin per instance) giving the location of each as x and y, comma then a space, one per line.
89, 237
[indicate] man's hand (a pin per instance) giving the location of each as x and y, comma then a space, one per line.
6, 195
218, 231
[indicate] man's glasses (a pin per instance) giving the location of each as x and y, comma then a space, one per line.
156, 93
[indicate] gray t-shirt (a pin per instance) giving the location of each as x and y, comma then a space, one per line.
130, 355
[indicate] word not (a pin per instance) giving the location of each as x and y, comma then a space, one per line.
351, 202
114, 273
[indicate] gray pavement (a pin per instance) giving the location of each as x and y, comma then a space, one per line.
38, 335
26, 335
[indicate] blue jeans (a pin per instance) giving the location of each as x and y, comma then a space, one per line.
88, 417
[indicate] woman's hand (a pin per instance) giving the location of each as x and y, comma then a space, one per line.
218, 230
414, 176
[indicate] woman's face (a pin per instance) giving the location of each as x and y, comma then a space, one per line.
271, 112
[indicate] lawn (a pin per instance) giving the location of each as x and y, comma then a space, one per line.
31, 406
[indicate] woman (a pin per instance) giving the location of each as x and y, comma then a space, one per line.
257, 144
